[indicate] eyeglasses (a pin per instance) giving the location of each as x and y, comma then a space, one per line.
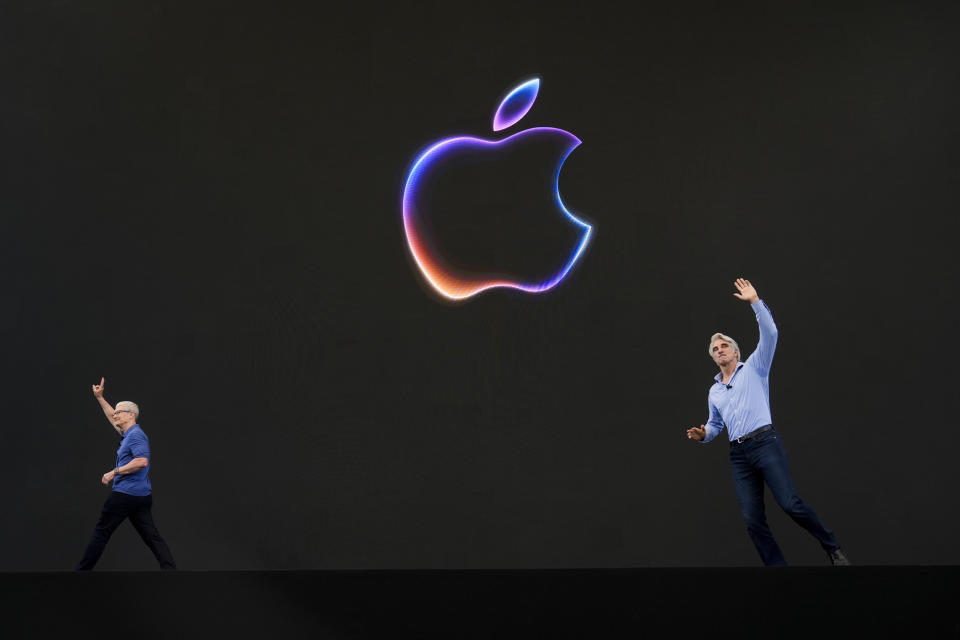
122, 411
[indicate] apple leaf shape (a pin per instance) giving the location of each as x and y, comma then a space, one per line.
516, 104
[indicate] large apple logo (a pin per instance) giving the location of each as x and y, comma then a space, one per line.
458, 284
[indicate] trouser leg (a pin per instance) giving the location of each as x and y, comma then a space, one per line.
776, 472
111, 516
748, 485
142, 520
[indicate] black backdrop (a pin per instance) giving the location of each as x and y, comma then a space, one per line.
200, 201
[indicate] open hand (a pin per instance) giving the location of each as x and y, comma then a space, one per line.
98, 389
697, 434
747, 292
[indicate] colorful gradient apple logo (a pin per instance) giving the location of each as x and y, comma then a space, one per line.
456, 284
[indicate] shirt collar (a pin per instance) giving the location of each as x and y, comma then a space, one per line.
717, 377
132, 427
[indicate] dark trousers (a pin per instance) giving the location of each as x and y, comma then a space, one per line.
763, 459
118, 507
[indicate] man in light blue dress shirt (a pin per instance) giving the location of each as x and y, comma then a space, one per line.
740, 401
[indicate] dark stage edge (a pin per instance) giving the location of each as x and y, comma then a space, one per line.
918, 602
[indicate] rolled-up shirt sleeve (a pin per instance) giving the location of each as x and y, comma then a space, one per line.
714, 424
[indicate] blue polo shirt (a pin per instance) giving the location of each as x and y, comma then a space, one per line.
133, 444
744, 406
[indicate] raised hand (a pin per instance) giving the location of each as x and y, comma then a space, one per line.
747, 292
98, 389
697, 434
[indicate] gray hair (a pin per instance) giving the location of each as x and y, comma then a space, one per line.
720, 336
129, 406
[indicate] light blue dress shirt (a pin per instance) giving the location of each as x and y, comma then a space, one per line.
744, 406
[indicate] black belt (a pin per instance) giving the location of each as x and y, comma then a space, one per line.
755, 432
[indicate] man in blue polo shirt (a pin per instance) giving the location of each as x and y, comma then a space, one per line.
131, 496
740, 401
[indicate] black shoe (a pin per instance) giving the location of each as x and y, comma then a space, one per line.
838, 558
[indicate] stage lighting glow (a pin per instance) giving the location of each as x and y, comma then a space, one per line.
460, 286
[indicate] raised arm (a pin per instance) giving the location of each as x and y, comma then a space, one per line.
745, 291
762, 357
107, 409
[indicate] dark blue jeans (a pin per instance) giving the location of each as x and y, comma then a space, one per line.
117, 508
763, 459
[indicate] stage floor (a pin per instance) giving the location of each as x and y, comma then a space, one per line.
918, 602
